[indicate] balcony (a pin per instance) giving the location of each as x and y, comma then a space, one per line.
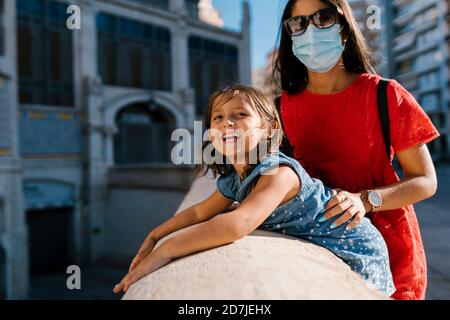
408, 39
410, 11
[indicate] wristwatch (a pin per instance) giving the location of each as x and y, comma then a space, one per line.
374, 198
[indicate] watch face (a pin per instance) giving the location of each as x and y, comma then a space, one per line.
375, 199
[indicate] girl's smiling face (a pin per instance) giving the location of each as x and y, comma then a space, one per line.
235, 126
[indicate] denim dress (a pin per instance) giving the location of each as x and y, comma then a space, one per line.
362, 248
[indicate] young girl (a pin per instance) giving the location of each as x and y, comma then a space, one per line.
275, 193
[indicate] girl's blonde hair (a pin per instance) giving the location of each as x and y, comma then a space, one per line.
262, 105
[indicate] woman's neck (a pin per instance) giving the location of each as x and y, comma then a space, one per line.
335, 80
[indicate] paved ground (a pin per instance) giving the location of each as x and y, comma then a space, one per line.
97, 282
434, 219
433, 214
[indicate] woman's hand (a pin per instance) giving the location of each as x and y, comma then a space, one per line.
350, 205
146, 247
149, 264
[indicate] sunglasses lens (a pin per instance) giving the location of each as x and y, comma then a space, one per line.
296, 25
325, 18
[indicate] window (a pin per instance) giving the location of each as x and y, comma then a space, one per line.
192, 8
403, 9
133, 54
427, 38
45, 64
405, 66
143, 137
212, 64
428, 59
429, 80
430, 102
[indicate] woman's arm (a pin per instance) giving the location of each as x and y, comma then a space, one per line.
213, 205
268, 193
420, 183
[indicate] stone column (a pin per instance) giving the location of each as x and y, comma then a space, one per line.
180, 69
109, 132
13, 237
188, 103
244, 59
178, 6
95, 180
180, 56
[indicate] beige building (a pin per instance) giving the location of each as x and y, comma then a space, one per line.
86, 117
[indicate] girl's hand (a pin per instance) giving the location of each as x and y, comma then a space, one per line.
149, 264
350, 205
146, 247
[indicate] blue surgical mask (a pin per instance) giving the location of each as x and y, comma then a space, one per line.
318, 49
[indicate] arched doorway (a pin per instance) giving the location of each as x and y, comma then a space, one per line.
143, 135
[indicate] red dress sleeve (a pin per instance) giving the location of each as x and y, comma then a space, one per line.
409, 123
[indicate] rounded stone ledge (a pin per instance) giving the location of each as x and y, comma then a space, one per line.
264, 265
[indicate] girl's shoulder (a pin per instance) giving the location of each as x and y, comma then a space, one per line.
276, 160
266, 167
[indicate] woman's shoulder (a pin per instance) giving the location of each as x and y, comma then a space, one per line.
369, 78
360, 83
396, 91
374, 79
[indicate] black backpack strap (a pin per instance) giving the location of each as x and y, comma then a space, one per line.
286, 146
383, 113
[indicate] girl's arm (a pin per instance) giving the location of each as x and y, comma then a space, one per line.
205, 210
268, 193
213, 205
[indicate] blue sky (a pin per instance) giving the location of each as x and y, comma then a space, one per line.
265, 15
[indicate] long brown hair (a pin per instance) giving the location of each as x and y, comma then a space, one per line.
293, 74
261, 104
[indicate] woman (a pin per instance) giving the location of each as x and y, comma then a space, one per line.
330, 116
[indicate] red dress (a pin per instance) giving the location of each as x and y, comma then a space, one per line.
338, 139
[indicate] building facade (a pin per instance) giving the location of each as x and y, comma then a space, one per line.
417, 47
368, 14
86, 117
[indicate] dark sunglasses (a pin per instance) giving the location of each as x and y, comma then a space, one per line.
322, 19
